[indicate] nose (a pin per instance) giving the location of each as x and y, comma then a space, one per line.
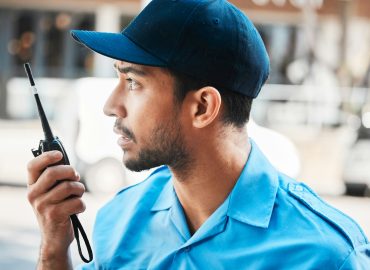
114, 106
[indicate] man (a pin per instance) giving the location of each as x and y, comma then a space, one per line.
188, 72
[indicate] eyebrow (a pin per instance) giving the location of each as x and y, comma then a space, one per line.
130, 69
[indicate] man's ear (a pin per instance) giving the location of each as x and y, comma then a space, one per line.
205, 105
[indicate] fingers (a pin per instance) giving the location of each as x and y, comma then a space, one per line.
37, 165
54, 192
55, 213
58, 203
64, 190
50, 177
45, 186
71, 206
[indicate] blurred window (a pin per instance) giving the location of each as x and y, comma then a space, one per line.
43, 38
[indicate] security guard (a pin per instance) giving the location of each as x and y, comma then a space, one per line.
188, 71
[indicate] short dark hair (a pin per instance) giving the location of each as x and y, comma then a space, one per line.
237, 106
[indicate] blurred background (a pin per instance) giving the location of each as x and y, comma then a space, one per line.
312, 118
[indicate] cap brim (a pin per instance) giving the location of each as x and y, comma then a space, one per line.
116, 46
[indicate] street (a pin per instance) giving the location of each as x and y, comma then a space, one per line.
19, 236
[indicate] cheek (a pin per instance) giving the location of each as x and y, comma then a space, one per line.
146, 114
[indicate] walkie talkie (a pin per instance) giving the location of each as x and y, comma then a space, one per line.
50, 143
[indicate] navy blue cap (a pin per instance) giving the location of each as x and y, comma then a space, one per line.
210, 40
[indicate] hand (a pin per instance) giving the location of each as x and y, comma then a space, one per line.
53, 202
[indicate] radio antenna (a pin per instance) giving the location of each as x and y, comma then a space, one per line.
44, 121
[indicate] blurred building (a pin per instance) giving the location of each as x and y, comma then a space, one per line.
305, 38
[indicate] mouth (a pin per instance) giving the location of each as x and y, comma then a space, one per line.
123, 140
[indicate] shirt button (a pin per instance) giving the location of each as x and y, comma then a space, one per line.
187, 249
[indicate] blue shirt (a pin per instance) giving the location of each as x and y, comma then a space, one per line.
268, 221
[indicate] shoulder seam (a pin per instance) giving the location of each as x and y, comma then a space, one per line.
297, 190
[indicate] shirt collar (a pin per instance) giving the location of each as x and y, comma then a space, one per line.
253, 197
166, 198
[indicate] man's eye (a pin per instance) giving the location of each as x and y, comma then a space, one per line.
132, 85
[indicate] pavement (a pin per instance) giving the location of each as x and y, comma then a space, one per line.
19, 235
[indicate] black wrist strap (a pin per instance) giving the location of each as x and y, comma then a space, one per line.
77, 229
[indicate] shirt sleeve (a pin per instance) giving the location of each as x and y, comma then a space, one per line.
358, 259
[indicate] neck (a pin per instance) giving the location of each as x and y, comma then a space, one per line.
213, 172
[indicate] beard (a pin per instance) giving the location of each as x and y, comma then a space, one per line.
165, 146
